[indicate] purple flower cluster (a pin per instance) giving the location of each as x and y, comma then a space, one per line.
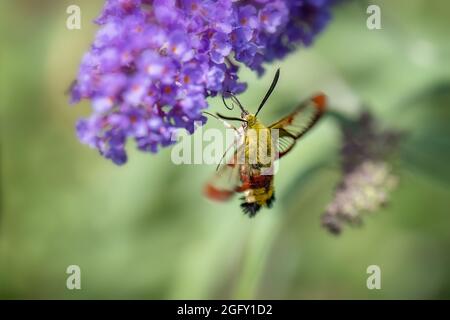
154, 63
368, 174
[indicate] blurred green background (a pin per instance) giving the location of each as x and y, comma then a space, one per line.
144, 230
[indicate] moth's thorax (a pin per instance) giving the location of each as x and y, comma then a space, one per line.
253, 122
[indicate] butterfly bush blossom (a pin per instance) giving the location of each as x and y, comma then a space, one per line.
153, 64
368, 174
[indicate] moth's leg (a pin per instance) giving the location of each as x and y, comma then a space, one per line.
225, 123
239, 135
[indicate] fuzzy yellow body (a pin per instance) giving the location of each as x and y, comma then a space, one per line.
258, 154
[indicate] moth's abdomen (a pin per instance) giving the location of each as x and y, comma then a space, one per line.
259, 193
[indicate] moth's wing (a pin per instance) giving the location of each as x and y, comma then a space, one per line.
297, 123
226, 181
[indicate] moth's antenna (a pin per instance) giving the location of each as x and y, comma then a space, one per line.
269, 92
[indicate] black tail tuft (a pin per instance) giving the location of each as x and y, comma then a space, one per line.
250, 208
270, 201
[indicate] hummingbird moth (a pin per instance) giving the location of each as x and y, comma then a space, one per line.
251, 178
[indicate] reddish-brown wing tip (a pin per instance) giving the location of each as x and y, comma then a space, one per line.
215, 194
321, 101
